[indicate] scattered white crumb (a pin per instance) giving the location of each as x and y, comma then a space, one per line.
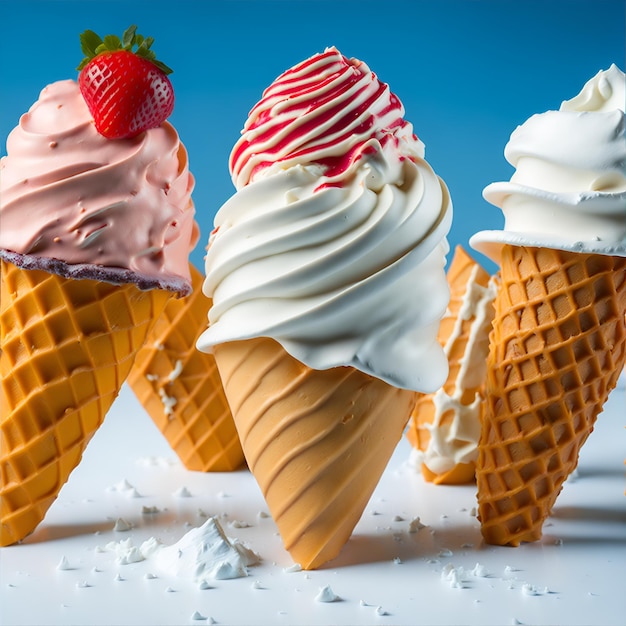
444, 552
374, 512
455, 576
380, 611
176, 372
480, 571
397, 518
168, 402
262, 515
64, 564
149, 576
238, 524
118, 578
531, 590
296, 567
256, 585
198, 616
558, 542
397, 561
204, 585
182, 492
326, 594
169, 590
82, 584
150, 510
415, 524
121, 487
473, 511
121, 525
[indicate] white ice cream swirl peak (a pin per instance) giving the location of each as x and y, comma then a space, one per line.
569, 188
339, 259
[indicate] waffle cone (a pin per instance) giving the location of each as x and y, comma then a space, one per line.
556, 350
317, 441
446, 424
66, 348
181, 389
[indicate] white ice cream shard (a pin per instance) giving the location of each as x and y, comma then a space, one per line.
206, 553
326, 594
415, 524
63, 564
121, 525
480, 571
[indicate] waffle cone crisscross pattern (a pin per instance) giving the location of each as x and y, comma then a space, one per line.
66, 348
317, 441
557, 348
181, 389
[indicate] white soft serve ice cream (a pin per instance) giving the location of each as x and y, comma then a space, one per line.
569, 188
334, 244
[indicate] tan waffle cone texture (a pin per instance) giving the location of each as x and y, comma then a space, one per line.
67, 347
181, 389
557, 348
317, 442
455, 332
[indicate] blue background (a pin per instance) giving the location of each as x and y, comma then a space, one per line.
467, 71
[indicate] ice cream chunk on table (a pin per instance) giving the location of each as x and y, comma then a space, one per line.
95, 239
558, 343
326, 271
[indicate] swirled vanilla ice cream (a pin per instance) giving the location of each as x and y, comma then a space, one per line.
334, 244
95, 236
558, 342
569, 187
326, 271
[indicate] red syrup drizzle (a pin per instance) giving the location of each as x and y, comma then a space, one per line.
313, 89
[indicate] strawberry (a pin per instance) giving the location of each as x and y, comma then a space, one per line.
127, 91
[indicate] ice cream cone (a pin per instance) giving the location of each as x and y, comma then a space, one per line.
557, 349
445, 425
317, 441
181, 389
66, 348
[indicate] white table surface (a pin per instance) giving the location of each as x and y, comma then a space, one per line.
385, 575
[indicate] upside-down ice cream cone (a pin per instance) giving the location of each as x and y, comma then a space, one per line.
558, 342
326, 271
67, 346
445, 425
91, 249
181, 389
558, 347
317, 441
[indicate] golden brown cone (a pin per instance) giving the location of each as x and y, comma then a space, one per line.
463, 333
66, 348
181, 389
317, 442
557, 349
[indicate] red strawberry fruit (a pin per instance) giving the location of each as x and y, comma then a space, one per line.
127, 91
